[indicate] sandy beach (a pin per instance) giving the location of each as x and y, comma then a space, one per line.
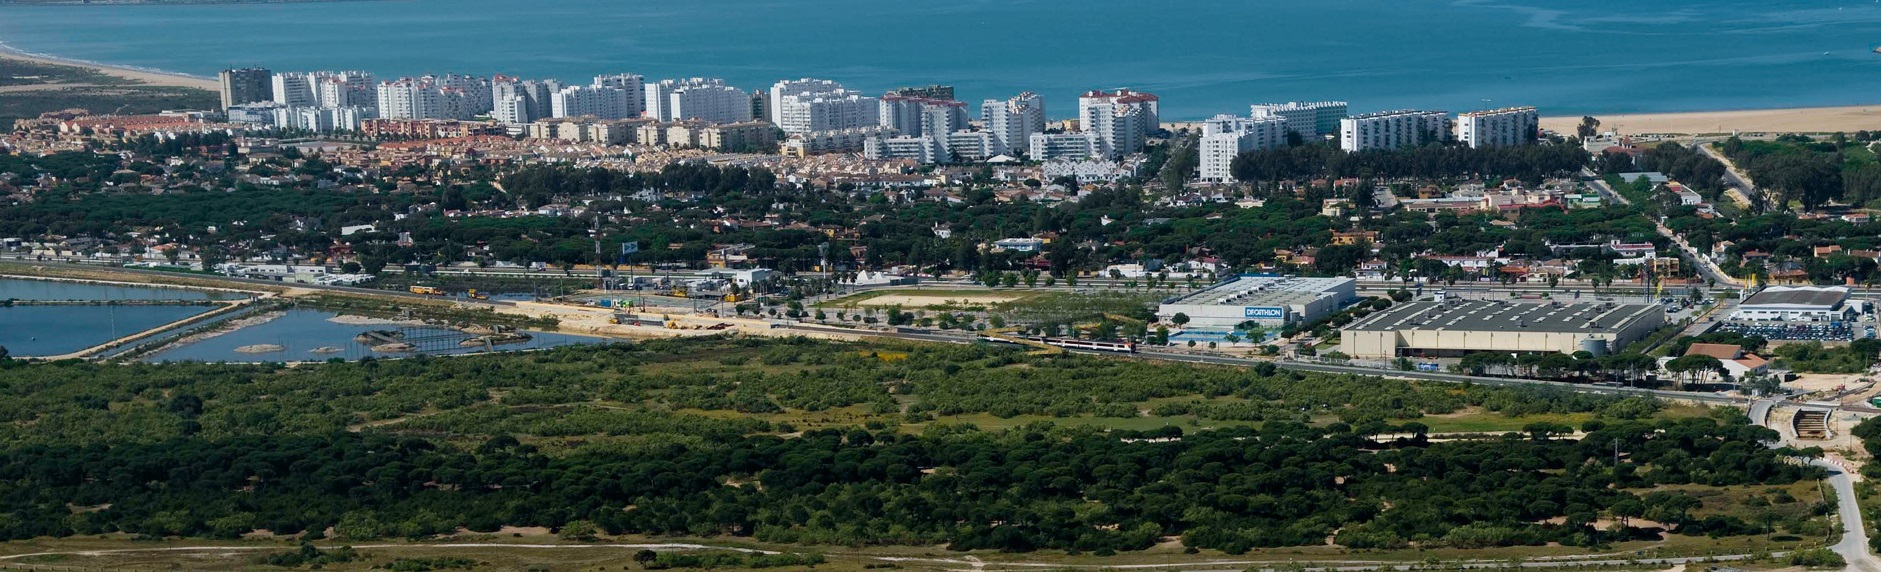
1800, 120
147, 77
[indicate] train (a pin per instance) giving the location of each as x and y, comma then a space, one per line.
1122, 347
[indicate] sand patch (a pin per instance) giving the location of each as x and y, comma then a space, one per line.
924, 300
1802, 120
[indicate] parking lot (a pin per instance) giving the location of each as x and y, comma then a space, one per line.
1799, 331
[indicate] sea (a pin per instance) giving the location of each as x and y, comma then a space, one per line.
1201, 56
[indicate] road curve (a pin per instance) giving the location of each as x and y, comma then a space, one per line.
1854, 544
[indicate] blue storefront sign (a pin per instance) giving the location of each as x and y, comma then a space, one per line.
1264, 313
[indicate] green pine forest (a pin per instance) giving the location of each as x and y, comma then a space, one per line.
816, 443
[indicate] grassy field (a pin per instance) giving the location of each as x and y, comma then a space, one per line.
36, 88
538, 550
923, 298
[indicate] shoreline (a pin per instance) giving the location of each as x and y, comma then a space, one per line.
1848, 118
152, 77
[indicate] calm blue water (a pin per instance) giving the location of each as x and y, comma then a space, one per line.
58, 330
299, 332
1202, 56
25, 289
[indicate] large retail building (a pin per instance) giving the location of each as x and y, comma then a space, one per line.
1269, 301
1453, 328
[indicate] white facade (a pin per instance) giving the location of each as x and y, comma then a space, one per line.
790, 87
920, 149
970, 145
512, 110
1049, 146
322, 119
702, 99
1392, 129
1270, 301
598, 101
1087, 171
842, 141
1120, 122
523, 101
344, 89
1013, 121
435, 97
826, 111
296, 89
1309, 119
634, 86
1508, 126
1226, 136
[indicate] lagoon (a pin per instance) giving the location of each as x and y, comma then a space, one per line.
59, 330
301, 331
1202, 56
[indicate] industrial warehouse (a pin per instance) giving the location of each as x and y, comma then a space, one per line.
1269, 301
1799, 303
1453, 328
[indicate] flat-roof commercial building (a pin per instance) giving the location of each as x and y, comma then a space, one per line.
1458, 327
1265, 300
1794, 303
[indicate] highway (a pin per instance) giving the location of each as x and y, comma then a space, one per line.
1712, 398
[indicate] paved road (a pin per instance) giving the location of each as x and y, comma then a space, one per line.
1854, 544
1339, 369
1738, 180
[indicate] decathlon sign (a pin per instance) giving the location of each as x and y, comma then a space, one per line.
1264, 312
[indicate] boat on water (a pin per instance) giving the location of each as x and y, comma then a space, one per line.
1877, 49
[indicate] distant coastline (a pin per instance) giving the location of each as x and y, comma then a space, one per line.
1778, 120
142, 75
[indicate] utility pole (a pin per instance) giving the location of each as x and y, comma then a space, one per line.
600, 282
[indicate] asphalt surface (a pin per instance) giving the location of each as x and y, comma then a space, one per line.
1854, 544
1338, 369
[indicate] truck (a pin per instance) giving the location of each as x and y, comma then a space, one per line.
475, 295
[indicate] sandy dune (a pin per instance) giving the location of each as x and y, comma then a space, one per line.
1803, 120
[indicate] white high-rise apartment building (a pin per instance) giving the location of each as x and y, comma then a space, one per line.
323, 89
633, 85
1013, 121
711, 104
523, 101
518, 100
1392, 129
598, 101
435, 97
922, 116
790, 87
826, 111
1226, 136
1309, 119
1507, 126
345, 89
296, 89
1119, 122
704, 99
